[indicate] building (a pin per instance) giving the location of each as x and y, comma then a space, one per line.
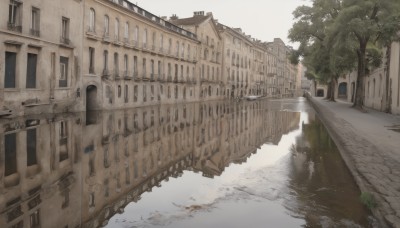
133, 58
112, 54
237, 60
40, 45
209, 52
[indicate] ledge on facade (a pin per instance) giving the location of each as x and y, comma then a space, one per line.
6, 113
13, 42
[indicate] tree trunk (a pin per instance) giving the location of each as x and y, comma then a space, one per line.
359, 101
387, 96
333, 88
329, 92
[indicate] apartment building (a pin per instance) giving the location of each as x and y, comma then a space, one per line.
133, 58
237, 60
209, 52
40, 47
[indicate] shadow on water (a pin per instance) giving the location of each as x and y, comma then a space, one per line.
215, 164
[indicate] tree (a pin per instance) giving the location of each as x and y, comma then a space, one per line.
342, 34
364, 25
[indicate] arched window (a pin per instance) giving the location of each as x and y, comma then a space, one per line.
126, 35
106, 25
145, 38
136, 34
92, 19
116, 29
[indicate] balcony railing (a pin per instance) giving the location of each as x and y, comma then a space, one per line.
117, 75
14, 27
34, 32
65, 40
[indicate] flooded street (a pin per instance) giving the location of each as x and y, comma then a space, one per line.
265, 163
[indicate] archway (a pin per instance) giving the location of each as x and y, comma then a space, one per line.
91, 98
320, 93
342, 90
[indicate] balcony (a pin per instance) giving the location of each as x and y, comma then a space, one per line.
34, 32
127, 75
161, 50
136, 76
14, 27
106, 38
153, 77
65, 40
117, 75
126, 41
106, 74
116, 41
135, 44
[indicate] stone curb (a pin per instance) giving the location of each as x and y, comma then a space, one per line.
359, 154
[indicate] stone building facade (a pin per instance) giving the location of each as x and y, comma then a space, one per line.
381, 84
236, 61
209, 52
40, 45
111, 54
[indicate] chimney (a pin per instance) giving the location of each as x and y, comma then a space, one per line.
174, 17
209, 14
198, 13
164, 18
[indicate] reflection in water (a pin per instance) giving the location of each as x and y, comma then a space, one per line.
81, 170
323, 186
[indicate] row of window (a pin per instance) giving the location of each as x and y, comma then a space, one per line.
11, 64
15, 21
179, 47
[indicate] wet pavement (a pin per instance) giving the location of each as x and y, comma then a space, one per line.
265, 163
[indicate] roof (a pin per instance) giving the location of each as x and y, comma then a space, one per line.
196, 20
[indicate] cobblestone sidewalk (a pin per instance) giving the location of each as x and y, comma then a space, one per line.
370, 146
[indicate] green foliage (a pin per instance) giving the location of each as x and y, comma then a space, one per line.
368, 200
335, 36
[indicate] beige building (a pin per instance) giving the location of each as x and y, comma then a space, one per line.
40, 45
102, 54
209, 52
134, 58
236, 61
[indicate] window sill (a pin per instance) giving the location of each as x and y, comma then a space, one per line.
11, 90
63, 88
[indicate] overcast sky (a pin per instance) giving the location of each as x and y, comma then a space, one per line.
262, 19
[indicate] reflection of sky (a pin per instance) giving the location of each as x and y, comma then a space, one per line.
249, 194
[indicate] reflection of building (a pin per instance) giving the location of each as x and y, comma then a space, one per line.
59, 171
40, 172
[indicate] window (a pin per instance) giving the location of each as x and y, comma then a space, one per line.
144, 68
153, 47
159, 69
116, 67
35, 219
126, 65
10, 71
14, 16
92, 20
177, 48
63, 82
65, 30
31, 147
135, 67
106, 25
105, 60
144, 96
63, 142
136, 35
135, 93
152, 69
10, 147
145, 38
35, 22
116, 29
119, 91
126, 92
31, 71
161, 41
126, 35
91, 60
169, 45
